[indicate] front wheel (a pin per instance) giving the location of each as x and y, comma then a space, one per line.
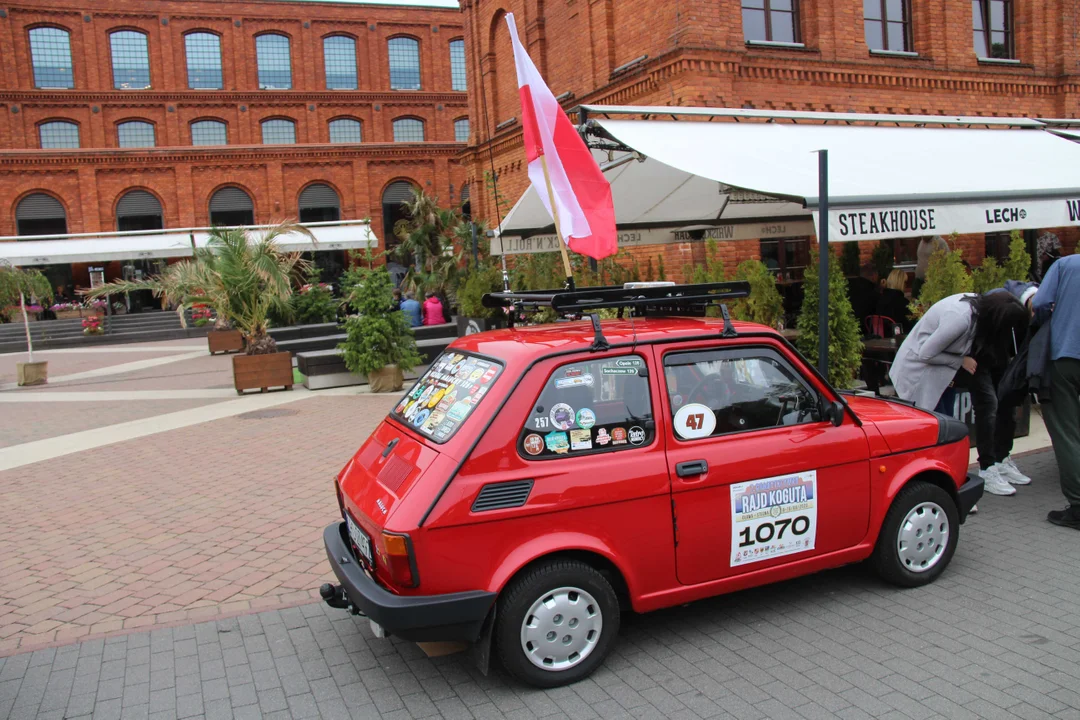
918, 537
556, 623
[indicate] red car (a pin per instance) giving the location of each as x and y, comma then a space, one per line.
536, 482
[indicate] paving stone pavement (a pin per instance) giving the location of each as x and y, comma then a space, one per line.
995, 637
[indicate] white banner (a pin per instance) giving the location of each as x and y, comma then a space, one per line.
876, 223
515, 245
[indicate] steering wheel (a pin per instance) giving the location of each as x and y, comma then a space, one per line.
711, 391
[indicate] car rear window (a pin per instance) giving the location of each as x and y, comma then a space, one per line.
443, 398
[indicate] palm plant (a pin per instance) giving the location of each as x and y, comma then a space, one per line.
426, 244
245, 277
16, 285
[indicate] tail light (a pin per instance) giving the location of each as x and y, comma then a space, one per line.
397, 552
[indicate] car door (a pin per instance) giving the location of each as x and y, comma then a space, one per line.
759, 478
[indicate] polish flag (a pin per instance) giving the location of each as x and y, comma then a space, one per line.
582, 194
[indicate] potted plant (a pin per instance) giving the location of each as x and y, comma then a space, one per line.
845, 342
764, 305
244, 278
473, 317
17, 284
379, 342
67, 310
945, 276
92, 325
314, 303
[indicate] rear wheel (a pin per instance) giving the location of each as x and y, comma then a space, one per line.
556, 623
918, 537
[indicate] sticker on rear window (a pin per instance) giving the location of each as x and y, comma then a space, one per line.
444, 397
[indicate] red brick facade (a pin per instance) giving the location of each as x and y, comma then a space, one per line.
695, 54
90, 180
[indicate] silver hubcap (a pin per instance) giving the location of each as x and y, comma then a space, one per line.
923, 537
561, 629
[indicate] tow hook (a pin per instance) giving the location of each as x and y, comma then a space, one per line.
335, 597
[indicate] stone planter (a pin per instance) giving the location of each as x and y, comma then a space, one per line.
32, 373
225, 341
387, 379
262, 372
473, 325
68, 314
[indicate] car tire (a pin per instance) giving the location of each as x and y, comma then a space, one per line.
556, 608
918, 537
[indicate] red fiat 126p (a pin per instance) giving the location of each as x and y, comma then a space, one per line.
538, 481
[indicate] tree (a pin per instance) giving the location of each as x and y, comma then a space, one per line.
243, 276
988, 276
377, 335
945, 276
850, 261
764, 306
315, 302
882, 258
426, 244
18, 284
1018, 266
845, 345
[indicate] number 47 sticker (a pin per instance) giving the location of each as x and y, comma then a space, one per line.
694, 420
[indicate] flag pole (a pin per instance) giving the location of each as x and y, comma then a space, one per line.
558, 229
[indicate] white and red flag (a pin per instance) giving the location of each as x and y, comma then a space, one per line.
581, 193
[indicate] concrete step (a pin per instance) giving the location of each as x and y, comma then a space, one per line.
119, 338
326, 361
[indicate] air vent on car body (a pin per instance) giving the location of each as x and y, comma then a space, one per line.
394, 473
499, 496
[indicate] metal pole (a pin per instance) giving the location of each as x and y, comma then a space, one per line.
823, 262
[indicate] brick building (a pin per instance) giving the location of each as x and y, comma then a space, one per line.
173, 114
932, 57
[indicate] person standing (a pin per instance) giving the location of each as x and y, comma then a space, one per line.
964, 341
411, 308
1061, 288
433, 310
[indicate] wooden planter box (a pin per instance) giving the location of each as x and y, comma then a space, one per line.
224, 341
262, 372
68, 314
35, 373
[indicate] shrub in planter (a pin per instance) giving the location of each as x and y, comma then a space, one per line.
945, 276
379, 342
845, 343
764, 306
474, 316
315, 302
16, 285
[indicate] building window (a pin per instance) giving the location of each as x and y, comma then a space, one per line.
461, 130
231, 206
50, 54
457, 66
992, 21
209, 132
40, 214
135, 134
278, 132
339, 59
404, 63
139, 210
275, 64
786, 258
319, 203
130, 60
770, 20
345, 130
997, 247
887, 24
408, 130
58, 134
203, 61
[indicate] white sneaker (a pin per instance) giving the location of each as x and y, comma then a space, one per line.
993, 483
1008, 470
974, 510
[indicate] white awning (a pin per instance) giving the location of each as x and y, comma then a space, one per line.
157, 245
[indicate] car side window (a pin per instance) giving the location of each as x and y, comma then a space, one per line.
717, 392
590, 406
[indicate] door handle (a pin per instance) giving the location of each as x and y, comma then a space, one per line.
693, 467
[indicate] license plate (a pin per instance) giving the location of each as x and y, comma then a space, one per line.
360, 539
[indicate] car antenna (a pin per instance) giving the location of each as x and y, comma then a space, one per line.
729, 329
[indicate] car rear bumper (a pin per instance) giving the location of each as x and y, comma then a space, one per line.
420, 618
969, 494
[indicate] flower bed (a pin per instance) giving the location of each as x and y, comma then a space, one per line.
92, 325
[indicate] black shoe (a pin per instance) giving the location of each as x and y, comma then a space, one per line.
1069, 517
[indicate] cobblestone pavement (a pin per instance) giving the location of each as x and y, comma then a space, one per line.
995, 637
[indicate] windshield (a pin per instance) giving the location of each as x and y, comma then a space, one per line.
444, 396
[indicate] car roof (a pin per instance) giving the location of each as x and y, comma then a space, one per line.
527, 343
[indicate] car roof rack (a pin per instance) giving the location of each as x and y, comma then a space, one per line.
646, 298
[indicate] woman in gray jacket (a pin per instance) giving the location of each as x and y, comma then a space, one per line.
965, 341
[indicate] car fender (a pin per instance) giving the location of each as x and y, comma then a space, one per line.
553, 544
905, 471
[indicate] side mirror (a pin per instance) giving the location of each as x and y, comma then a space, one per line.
834, 413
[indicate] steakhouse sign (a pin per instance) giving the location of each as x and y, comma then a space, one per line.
943, 218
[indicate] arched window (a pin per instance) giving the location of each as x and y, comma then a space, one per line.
139, 210
209, 132
278, 131
461, 130
274, 61
130, 60
135, 134
404, 55
231, 206
40, 214
345, 130
203, 61
408, 130
458, 73
50, 55
319, 203
394, 195
339, 61
58, 134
